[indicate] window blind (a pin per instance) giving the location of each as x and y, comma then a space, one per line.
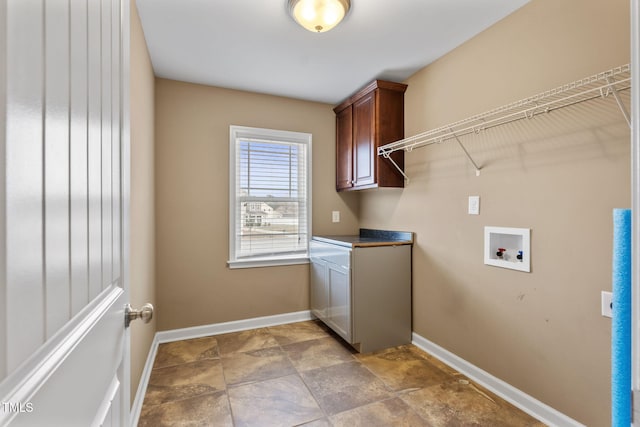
271, 197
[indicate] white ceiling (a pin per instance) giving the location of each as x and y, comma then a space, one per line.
254, 45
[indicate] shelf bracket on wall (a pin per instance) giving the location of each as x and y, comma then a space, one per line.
466, 153
388, 157
616, 95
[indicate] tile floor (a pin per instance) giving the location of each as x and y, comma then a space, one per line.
302, 374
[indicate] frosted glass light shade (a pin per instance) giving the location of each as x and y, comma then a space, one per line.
318, 16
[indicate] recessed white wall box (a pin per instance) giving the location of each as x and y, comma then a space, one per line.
508, 248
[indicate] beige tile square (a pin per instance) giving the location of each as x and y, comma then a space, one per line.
345, 386
460, 402
257, 365
405, 368
178, 352
206, 410
300, 331
239, 342
282, 401
184, 381
318, 353
392, 412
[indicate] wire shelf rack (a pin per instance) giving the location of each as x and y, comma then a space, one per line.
602, 85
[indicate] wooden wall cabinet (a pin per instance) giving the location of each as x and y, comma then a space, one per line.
372, 117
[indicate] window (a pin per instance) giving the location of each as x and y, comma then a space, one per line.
269, 197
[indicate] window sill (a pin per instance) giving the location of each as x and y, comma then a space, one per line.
268, 262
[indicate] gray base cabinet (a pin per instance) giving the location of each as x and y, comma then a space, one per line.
363, 293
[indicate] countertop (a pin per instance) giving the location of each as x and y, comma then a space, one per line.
368, 238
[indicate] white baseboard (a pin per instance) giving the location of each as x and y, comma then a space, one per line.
234, 326
205, 331
136, 407
521, 400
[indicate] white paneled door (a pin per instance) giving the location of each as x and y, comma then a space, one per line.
64, 150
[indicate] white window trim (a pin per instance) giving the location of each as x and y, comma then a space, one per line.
236, 132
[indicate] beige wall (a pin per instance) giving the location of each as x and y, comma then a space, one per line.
194, 284
142, 271
560, 175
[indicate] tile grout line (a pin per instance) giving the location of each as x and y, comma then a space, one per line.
394, 394
187, 362
325, 415
398, 394
226, 385
299, 374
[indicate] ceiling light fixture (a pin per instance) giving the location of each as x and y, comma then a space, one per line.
318, 16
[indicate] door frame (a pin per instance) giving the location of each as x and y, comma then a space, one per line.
125, 194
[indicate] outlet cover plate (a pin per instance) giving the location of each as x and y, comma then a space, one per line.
606, 303
474, 205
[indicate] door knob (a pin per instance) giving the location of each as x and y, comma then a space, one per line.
130, 314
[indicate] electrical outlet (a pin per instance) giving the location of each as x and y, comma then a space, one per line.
335, 216
606, 303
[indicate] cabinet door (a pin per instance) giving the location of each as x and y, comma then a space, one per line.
319, 292
344, 149
364, 149
339, 300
